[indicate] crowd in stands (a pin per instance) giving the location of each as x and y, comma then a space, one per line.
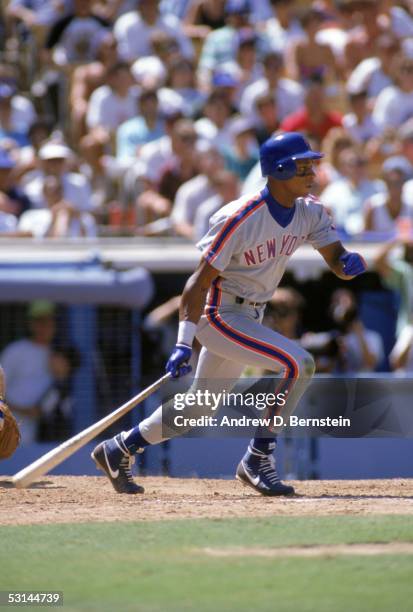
142, 117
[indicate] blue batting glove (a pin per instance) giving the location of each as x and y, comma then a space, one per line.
353, 264
178, 362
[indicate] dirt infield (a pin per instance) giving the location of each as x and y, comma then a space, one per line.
67, 499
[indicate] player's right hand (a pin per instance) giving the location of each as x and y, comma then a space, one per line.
178, 361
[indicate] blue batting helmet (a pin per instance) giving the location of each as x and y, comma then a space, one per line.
278, 155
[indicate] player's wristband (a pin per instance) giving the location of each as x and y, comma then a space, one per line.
186, 333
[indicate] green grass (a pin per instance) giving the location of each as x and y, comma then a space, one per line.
160, 567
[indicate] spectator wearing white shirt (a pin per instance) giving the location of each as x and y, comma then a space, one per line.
181, 82
359, 122
375, 73
394, 105
288, 94
384, 210
214, 125
191, 195
283, 28
114, 103
156, 202
110, 106
133, 31
85, 79
60, 219
147, 170
54, 157
345, 197
227, 189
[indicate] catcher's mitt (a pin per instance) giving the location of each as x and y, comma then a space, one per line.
9, 432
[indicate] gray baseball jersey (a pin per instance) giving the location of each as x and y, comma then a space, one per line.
251, 239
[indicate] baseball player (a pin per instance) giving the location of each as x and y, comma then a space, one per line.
244, 256
9, 430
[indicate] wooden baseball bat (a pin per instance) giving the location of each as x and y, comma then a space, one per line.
48, 461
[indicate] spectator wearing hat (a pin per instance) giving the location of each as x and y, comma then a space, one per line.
145, 127
242, 156
13, 202
288, 95
314, 119
26, 365
60, 218
16, 113
225, 81
133, 31
54, 161
394, 105
383, 210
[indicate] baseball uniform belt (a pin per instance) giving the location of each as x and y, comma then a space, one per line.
228, 298
240, 300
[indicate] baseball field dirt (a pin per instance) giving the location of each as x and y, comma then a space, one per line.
81, 499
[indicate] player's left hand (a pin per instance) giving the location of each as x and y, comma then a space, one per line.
178, 361
353, 264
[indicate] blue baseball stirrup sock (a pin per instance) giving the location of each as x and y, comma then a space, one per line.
134, 440
264, 445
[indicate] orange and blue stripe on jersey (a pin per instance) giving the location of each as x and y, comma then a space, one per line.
242, 339
232, 225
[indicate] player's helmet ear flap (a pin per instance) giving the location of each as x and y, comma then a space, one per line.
285, 170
